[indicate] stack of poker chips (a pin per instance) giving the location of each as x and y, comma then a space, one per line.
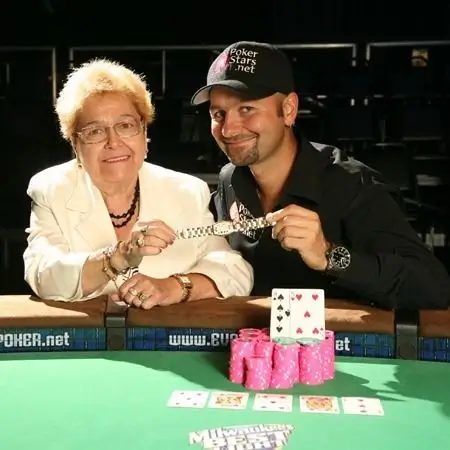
259, 362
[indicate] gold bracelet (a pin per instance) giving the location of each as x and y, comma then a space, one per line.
109, 252
107, 268
109, 271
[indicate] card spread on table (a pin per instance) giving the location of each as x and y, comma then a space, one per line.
319, 404
228, 400
298, 314
188, 399
362, 405
273, 402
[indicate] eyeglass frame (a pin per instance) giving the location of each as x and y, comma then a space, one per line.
106, 128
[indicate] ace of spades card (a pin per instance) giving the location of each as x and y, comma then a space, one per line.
280, 314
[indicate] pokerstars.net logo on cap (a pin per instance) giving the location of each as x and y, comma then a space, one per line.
242, 60
237, 59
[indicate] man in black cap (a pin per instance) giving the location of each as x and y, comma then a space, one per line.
336, 225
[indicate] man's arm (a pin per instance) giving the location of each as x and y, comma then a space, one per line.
390, 265
218, 204
212, 205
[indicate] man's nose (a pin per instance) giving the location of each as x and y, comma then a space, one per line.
231, 127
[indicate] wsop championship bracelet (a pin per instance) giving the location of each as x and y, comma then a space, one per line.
224, 228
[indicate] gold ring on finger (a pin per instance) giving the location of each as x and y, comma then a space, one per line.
144, 230
140, 242
142, 297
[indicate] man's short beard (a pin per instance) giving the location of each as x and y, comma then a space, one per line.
250, 158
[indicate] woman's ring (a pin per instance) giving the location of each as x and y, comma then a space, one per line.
140, 242
142, 297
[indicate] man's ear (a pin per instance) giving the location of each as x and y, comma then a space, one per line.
290, 109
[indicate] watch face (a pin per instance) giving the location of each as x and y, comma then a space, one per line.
340, 258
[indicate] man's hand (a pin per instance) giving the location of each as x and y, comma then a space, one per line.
300, 229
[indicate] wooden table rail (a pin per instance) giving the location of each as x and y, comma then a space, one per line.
25, 312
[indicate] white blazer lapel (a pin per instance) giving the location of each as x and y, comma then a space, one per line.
90, 215
155, 201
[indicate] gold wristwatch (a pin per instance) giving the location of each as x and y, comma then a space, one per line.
186, 284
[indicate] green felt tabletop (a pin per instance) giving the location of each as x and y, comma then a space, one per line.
117, 401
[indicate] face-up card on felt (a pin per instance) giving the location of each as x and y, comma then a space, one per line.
273, 402
188, 399
362, 406
280, 314
308, 314
319, 404
228, 400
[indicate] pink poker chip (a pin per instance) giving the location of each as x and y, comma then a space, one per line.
259, 362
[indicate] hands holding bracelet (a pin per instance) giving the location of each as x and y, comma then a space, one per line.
149, 239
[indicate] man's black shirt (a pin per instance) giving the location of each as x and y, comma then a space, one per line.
390, 266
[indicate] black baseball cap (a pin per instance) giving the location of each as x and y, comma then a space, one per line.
257, 69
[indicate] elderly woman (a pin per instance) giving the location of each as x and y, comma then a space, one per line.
106, 221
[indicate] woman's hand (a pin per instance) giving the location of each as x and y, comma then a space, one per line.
146, 292
147, 239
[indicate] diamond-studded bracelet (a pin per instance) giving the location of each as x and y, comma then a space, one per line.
224, 228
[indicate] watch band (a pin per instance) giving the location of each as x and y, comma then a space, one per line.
186, 284
224, 228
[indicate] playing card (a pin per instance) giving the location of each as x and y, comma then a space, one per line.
319, 404
307, 308
228, 400
362, 405
280, 314
273, 402
188, 399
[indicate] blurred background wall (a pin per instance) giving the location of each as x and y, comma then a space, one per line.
373, 76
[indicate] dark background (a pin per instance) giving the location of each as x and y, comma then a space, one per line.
390, 110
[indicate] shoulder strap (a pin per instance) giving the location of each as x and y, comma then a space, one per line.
222, 198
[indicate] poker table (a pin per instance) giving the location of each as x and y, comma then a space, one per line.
118, 400
96, 374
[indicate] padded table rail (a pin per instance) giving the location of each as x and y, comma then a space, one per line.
29, 324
